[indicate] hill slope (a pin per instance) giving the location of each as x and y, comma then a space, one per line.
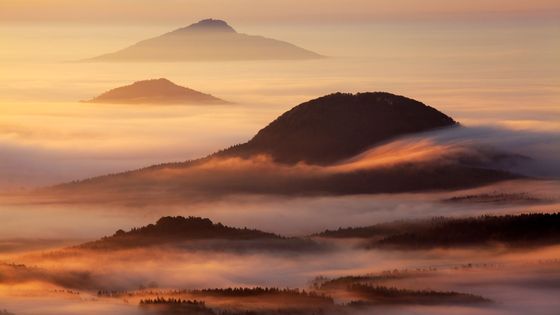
155, 91
209, 40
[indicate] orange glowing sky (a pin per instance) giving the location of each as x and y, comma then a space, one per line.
265, 10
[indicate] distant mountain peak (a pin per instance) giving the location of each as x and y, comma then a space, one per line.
211, 25
155, 91
154, 82
206, 26
207, 40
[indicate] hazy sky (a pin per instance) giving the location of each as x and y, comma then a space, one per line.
166, 11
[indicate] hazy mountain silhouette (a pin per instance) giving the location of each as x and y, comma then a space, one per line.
322, 133
339, 126
210, 40
155, 91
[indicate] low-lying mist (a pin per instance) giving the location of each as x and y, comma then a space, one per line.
495, 273
448, 159
292, 216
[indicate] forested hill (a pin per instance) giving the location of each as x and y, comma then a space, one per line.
339, 126
176, 229
513, 230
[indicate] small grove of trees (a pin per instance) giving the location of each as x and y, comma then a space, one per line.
322, 283
161, 300
113, 293
495, 197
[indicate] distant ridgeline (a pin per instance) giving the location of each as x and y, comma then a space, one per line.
379, 295
207, 40
513, 230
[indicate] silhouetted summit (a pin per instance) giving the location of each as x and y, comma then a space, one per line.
155, 91
339, 126
207, 25
208, 40
177, 229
